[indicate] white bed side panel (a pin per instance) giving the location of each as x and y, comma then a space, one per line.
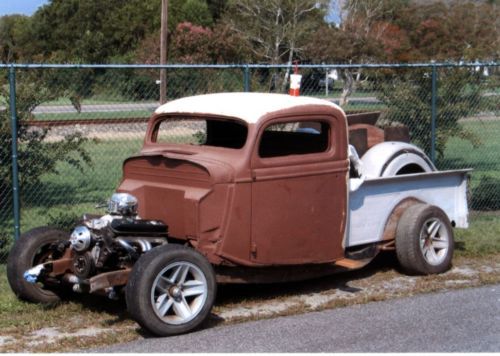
371, 205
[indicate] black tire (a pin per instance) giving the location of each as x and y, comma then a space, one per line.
30, 250
424, 240
145, 303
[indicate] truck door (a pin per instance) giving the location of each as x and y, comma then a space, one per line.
299, 191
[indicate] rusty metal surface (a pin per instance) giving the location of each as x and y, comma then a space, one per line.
374, 135
369, 118
223, 201
109, 279
61, 265
397, 133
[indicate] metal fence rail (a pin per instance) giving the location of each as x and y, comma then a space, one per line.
66, 129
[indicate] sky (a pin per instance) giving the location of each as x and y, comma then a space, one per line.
25, 7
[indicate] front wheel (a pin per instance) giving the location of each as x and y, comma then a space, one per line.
33, 248
424, 240
171, 290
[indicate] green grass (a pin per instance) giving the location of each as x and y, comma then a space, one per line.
485, 159
482, 238
75, 192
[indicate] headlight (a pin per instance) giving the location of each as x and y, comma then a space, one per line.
123, 204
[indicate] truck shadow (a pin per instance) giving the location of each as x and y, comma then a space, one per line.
235, 294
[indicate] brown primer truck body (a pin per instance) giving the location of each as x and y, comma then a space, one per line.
248, 188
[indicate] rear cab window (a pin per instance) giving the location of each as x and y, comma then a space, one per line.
201, 132
294, 138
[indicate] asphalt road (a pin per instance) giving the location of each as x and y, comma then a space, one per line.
466, 320
113, 107
119, 107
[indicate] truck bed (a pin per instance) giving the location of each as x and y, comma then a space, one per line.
372, 203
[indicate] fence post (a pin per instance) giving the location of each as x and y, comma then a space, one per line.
15, 172
246, 78
433, 113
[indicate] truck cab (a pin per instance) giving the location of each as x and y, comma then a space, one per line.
261, 179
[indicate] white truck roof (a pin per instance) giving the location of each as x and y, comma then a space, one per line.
249, 107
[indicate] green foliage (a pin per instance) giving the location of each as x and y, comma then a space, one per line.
14, 37
6, 238
217, 8
92, 30
65, 220
275, 31
196, 12
200, 137
36, 155
409, 31
128, 84
408, 98
486, 196
482, 238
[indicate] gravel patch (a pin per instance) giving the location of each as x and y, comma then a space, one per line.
5, 340
52, 335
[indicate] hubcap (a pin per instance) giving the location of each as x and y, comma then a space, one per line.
179, 293
434, 241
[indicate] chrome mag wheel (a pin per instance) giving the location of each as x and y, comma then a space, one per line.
179, 293
434, 241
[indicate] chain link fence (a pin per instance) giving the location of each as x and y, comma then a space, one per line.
76, 124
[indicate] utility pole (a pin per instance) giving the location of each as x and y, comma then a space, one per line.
163, 51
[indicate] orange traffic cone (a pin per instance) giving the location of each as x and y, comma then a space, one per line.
295, 84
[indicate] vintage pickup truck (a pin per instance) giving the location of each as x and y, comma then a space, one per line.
246, 188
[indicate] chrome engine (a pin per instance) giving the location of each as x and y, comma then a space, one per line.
115, 239
108, 243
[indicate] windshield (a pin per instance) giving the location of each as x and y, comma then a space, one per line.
201, 132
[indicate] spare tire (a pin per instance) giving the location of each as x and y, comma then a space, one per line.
388, 159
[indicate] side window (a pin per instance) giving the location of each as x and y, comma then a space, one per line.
294, 138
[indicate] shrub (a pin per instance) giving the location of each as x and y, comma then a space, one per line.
486, 196
408, 98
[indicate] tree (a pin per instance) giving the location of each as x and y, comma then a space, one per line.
275, 30
408, 99
365, 34
464, 31
92, 30
14, 37
191, 43
36, 156
217, 8
196, 12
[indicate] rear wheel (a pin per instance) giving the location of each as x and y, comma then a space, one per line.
424, 240
33, 248
171, 290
